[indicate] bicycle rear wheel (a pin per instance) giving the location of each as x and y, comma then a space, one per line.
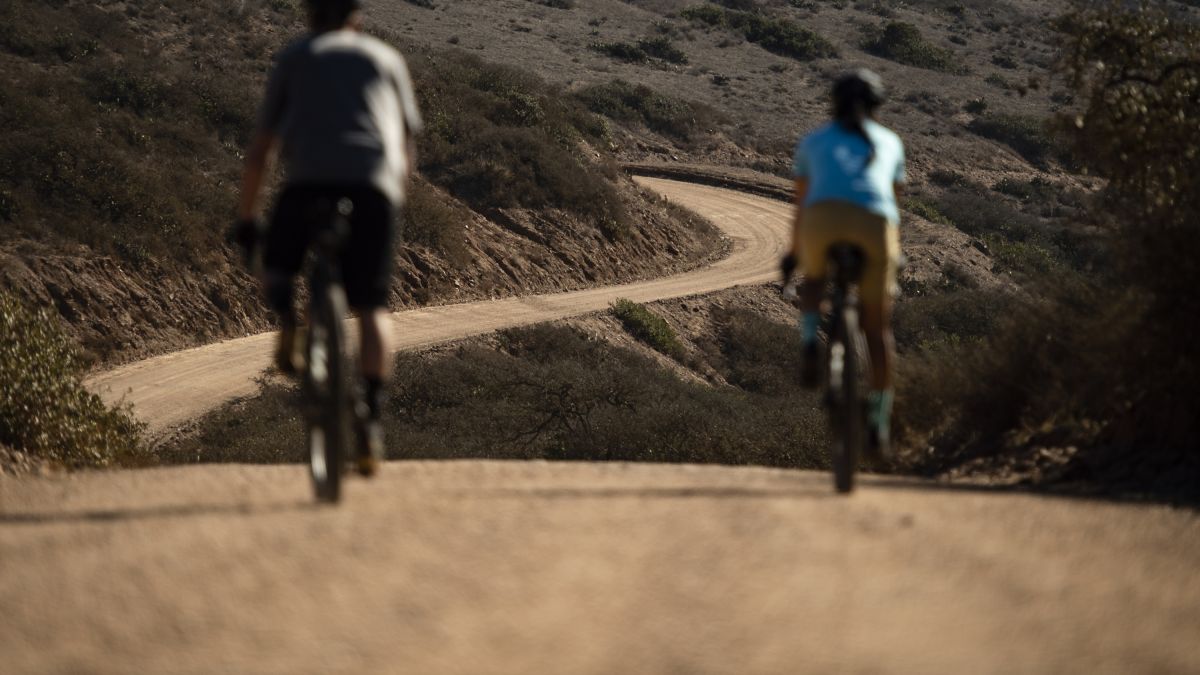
327, 388
847, 352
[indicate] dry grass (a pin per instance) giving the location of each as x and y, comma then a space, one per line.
545, 392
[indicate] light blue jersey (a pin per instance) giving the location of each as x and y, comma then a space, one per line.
834, 160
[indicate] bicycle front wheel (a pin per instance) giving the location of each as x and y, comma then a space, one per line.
847, 356
327, 389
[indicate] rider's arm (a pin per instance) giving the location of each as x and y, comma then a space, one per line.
270, 116
798, 220
413, 123
257, 162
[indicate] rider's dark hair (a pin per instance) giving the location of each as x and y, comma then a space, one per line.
856, 97
331, 14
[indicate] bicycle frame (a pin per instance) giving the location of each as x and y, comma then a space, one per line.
326, 386
844, 364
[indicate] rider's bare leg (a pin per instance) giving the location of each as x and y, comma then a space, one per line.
279, 288
376, 353
812, 294
375, 360
877, 326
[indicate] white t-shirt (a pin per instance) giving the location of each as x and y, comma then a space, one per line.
341, 102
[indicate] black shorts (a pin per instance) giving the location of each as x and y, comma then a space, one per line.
367, 252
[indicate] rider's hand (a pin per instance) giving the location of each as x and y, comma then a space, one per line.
788, 267
246, 233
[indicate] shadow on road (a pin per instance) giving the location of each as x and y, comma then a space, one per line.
172, 511
697, 492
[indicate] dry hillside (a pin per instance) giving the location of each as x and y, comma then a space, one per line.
125, 123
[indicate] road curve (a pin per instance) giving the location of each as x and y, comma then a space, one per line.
172, 389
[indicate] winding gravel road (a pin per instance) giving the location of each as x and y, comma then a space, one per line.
173, 389
490, 567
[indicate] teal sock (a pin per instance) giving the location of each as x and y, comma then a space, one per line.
810, 324
880, 408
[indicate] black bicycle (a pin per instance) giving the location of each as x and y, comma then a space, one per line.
844, 368
326, 390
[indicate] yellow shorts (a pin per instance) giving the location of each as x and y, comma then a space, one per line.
830, 223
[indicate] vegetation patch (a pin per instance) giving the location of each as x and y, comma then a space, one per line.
902, 42
1091, 381
1036, 189
110, 142
660, 47
638, 104
544, 392
1028, 136
45, 412
957, 315
498, 137
648, 327
926, 209
779, 36
432, 220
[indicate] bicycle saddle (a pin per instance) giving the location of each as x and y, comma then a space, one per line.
847, 261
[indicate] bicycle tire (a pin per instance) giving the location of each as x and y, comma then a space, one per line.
327, 386
846, 410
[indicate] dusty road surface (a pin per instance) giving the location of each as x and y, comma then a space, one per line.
482, 567
213, 374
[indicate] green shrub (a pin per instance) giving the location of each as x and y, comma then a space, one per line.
1005, 61
622, 51
630, 103
707, 14
956, 315
1035, 189
976, 106
927, 210
1028, 136
661, 47
997, 81
648, 327
760, 355
980, 215
946, 178
645, 49
431, 220
902, 42
142, 92
498, 137
44, 409
779, 36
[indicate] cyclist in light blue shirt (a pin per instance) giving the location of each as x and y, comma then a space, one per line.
841, 166
848, 174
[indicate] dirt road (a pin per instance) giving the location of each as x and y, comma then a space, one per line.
175, 388
485, 567
478, 567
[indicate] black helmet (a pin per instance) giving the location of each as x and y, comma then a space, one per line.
860, 87
332, 12
334, 5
